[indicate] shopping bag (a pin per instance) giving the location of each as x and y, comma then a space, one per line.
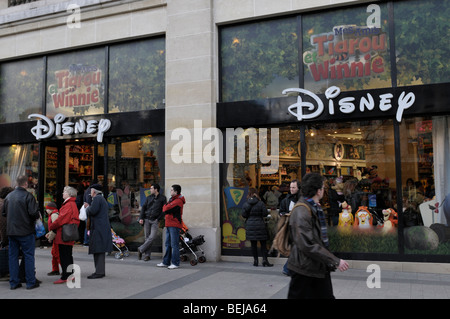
39, 227
82, 215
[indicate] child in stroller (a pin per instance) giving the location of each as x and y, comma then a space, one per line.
189, 245
119, 244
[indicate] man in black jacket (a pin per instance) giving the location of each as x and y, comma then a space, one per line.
310, 261
21, 212
150, 215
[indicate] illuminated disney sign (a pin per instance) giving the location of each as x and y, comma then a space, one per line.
346, 105
46, 128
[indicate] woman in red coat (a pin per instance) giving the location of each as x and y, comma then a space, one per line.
68, 214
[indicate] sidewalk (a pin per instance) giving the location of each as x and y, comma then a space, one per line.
134, 279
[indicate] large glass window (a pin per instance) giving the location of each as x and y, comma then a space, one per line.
21, 89
133, 165
347, 48
137, 76
358, 161
259, 60
422, 30
76, 83
250, 169
425, 173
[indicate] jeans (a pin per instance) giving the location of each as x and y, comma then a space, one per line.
27, 243
150, 232
172, 255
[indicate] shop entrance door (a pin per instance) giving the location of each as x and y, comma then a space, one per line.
67, 163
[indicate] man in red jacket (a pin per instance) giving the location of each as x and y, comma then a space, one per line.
173, 220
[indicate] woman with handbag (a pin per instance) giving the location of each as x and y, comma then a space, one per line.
66, 228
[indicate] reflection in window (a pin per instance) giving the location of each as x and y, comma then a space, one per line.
133, 165
259, 60
75, 83
347, 48
137, 76
18, 160
421, 41
20, 89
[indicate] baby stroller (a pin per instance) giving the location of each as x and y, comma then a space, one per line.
119, 244
189, 245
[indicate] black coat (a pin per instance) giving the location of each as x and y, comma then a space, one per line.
100, 237
21, 211
254, 211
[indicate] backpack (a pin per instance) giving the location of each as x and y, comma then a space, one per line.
282, 240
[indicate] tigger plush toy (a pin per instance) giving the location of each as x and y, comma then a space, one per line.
390, 220
363, 218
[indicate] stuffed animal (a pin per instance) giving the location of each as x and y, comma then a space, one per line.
345, 217
390, 220
363, 218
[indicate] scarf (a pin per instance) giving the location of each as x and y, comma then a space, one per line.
322, 221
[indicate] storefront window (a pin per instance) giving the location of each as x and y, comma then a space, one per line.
259, 60
348, 48
133, 165
137, 76
270, 179
20, 89
421, 41
76, 83
358, 161
18, 160
425, 172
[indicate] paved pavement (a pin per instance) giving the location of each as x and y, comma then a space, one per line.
132, 279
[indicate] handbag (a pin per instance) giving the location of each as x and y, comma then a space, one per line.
69, 232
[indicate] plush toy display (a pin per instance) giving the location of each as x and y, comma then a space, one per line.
363, 218
346, 217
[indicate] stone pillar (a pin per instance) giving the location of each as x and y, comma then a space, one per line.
191, 96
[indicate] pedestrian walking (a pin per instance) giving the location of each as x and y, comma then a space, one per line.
21, 211
100, 238
310, 261
68, 214
150, 215
174, 222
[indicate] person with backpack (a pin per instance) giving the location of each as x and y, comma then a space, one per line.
310, 261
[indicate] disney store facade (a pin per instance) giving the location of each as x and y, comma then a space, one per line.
359, 94
96, 114
357, 91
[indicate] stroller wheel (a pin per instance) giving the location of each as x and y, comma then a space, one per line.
193, 262
126, 254
201, 259
118, 255
183, 258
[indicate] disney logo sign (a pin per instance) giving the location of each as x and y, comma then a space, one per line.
46, 128
346, 104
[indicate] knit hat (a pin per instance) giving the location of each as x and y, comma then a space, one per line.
51, 205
